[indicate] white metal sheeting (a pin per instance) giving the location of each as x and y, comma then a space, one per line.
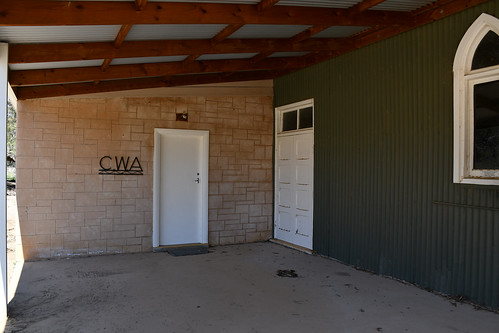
395, 5
173, 31
226, 56
246, 2
250, 2
402, 5
268, 31
146, 60
319, 3
59, 34
58, 64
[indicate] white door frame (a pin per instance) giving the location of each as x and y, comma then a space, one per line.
4, 53
204, 180
277, 134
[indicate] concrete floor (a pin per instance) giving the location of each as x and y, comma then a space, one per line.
231, 289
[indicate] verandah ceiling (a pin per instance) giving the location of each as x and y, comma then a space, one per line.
61, 48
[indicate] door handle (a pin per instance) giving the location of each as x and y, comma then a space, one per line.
196, 180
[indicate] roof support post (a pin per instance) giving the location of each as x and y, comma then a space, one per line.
4, 48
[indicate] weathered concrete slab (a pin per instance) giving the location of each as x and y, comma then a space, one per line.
231, 289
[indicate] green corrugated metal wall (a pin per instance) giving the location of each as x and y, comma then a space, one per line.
383, 193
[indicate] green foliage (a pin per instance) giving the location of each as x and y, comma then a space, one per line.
11, 174
11, 130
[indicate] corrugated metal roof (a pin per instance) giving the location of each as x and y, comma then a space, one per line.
226, 56
339, 32
395, 5
59, 64
268, 31
179, 41
288, 54
251, 2
402, 5
59, 34
173, 31
146, 60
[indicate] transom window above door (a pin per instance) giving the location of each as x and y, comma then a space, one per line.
298, 116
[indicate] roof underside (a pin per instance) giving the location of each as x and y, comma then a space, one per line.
60, 48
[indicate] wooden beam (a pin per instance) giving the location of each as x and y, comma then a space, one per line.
28, 53
265, 4
297, 38
226, 32
355, 10
261, 56
425, 15
364, 5
132, 84
191, 58
125, 28
441, 9
84, 74
308, 33
51, 13
140, 4
105, 64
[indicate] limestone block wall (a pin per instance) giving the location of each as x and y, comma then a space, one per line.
66, 208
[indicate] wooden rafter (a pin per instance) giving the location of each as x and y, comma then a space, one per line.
62, 75
26, 53
355, 10
130, 84
364, 5
50, 13
442, 8
221, 36
120, 38
125, 28
140, 4
265, 4
226, 32
191, 58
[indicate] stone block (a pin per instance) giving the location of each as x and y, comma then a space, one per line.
143, 230
90, 233
121, 132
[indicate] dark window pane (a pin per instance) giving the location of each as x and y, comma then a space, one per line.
486, 130
289, 121
306, 118
487, 52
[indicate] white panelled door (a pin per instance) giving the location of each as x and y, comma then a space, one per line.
294, 189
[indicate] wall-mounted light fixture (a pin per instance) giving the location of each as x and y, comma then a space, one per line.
182, 116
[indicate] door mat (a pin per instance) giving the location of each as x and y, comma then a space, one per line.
187, 250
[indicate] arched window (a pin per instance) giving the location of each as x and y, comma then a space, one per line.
476, 104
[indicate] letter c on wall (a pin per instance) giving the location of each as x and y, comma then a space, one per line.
100, 163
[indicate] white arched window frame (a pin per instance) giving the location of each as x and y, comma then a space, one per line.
465, 80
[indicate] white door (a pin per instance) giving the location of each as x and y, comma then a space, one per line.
180, 187
294, 189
